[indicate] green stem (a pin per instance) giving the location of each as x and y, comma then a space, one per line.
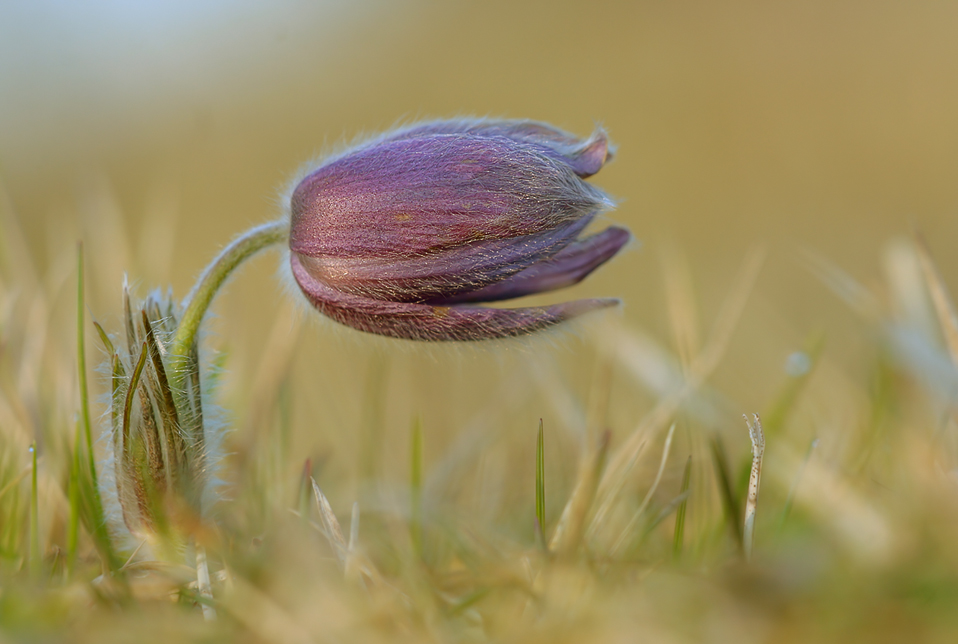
199, 299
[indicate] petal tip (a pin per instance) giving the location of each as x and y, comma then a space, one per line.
578, 308
593, 155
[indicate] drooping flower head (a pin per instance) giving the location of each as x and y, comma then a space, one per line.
405, 235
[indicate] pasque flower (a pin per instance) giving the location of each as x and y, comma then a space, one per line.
407, 234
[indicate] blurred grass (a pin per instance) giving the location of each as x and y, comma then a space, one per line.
444, 550
822, 127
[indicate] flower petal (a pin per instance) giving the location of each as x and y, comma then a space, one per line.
407, 198
442, 274
586, 157
412, 321
567, 267
591, 156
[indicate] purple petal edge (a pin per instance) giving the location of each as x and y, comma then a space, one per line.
567, 267
585, 157
425, 322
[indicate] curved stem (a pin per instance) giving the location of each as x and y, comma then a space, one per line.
198, 301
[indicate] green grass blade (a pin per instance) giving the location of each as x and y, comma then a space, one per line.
95, 516
415, 486
305, 490
727, 492
81, 366
679, 538
73, 525
671, 506
790, 499
104, 338
540, 489
36, 561
800, 370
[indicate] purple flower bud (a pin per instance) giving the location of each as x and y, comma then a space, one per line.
398, 235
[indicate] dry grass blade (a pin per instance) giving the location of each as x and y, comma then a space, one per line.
944, 307
353, 559
273, 368
203, 583
857, 523
331, 529
263, 616
702, 367
597, 411
757, 437
572, 523
680, 301
648, 496
845, 286
729, 315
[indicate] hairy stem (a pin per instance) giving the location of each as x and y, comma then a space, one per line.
199, 299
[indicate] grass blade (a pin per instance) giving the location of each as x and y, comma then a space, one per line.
648, 495
81, 366
757, 437
681, 305
104, 338
944, 308
540, 489
95, 517
571, 527
729, 500
679, 538
73, 525
800, 370
415, 486
203, 584
798, 477
701, 369
302, 496
800, 367
672, 506
331, 529
36, 560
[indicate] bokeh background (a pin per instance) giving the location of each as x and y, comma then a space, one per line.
156, 131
